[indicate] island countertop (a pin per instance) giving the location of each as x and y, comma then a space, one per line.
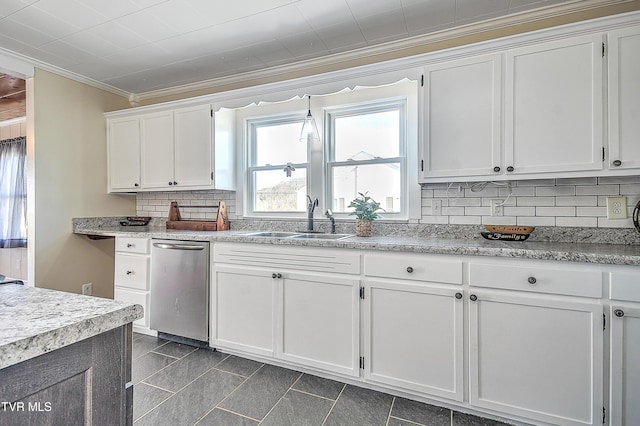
612, 254
34, 321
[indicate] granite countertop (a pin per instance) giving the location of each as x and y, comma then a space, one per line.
34, 321
574, 252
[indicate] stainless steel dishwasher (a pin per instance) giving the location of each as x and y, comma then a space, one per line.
180, 288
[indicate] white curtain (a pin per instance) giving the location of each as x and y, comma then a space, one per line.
13, 193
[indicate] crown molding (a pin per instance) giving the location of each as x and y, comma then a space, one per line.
369, 54
25, 66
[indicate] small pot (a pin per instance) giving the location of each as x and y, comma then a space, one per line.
363, 228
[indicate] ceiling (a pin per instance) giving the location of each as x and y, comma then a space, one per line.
139, 46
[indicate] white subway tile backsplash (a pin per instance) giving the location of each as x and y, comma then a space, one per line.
520, 191
630, 189
465, 220
545, 191
486, 192
618, 179
536, 221
598, 190
555, 211
603, 222
465, 202
453, 211
589, 222
537, 182
498, 220
477, 211
585, 200
536, 201
591, 211
435, 220
577, 181
519, 211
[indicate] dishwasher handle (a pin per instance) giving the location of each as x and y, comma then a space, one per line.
178, 246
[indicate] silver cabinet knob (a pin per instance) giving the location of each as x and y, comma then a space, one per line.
532, 280
129, 272
458, 295
510, 169
496, 169
473, 297
619, 313
617, 163
410, 269
129, 245
274, 275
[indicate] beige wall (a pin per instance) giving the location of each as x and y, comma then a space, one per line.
534, 24
69, 172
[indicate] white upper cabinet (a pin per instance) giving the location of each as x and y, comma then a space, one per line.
624, 99
553, 106
124, 154
193, 148
462, 101
157, 150
170, 150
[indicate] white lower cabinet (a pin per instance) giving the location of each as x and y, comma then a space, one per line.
295, 304
536, 358
624, 359
413, 337
131, 277
242, 309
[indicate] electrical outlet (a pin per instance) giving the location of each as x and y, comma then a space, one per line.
616, 207
436, 207
87, 289
497, 209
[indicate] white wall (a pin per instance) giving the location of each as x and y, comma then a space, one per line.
69, 177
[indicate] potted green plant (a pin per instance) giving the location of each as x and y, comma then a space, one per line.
366, 210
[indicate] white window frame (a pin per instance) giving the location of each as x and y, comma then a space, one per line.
370, 107
317, 184
251, 124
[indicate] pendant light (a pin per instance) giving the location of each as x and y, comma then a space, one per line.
309, 131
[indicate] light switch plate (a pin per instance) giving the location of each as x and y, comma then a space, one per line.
436, 207
497, 208
616, 207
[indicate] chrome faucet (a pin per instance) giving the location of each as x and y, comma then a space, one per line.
329, 214
311, 208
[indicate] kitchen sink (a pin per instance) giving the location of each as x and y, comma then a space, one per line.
321, 236
269, 234
297, 235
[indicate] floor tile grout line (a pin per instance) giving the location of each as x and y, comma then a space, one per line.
155, 386
407, 421
160, 353
393, 401
312, 394
334, 404
179, 390
283, 395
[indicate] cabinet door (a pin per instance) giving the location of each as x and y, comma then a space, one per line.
625, 369
462, 101
124, 154
157, 150
242, 309
319, 322
193, 152
553, 106
624, 98
138, 297
539, 358
413, 337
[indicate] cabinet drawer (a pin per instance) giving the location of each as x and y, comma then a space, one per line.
137, 297
132, 271
132, 245
583, 282
625, 286
414, 267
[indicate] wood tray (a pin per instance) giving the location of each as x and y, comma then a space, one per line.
509, 229
175, 220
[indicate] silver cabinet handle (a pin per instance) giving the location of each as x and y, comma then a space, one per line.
129, 245
178, 246
130, 272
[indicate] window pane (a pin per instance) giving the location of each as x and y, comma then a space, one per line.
367, 136
381, 181
279, 144
277, 193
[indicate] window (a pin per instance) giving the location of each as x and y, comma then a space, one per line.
13, 193
367, 155
278, 166
367, 137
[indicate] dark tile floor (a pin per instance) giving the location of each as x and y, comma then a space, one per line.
176, 385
